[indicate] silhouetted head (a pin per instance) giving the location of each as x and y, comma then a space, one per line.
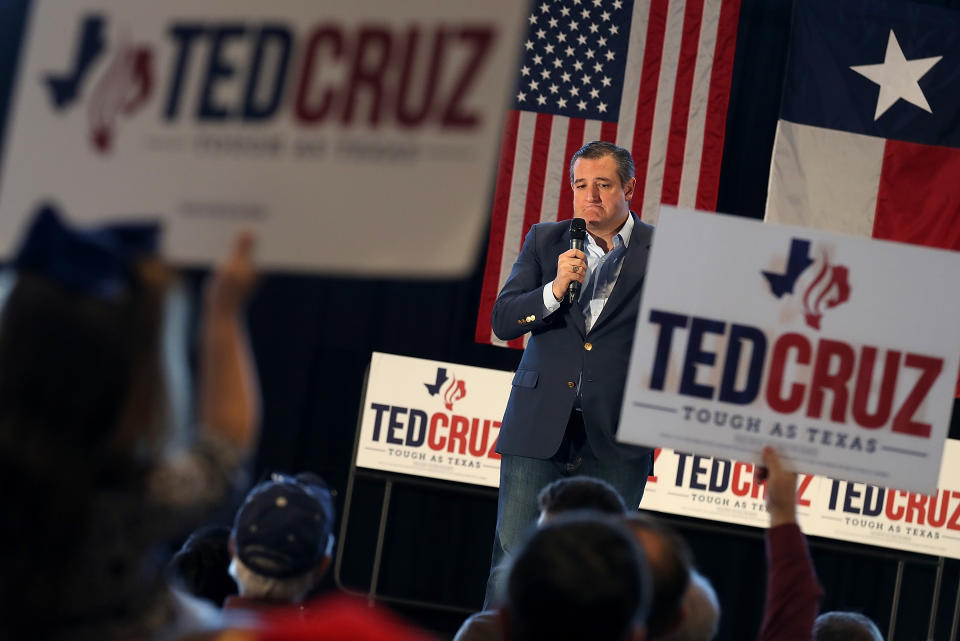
579, 493
579, 577
845, 626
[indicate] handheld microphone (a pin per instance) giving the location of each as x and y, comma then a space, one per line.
578, 233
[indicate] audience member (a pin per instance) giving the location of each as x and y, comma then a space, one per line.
845, 626
578, 493
557, 497
793, 593
701, 611
281, 542
82, 423
201, 565
669, 558
579, 577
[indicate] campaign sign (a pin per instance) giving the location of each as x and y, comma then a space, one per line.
433, 419
728, 491
353, 137
840, 351
927, 522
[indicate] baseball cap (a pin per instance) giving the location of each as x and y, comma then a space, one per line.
285, 526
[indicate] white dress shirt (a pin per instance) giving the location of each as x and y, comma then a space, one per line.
603, 269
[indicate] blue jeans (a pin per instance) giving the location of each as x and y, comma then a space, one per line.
522, 478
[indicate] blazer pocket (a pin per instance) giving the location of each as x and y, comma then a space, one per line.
525, 378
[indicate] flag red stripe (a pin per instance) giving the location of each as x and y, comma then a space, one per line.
647, 100
919, 195
538, 172
574, 142
673, 164
720, 78
608, 132
498, 224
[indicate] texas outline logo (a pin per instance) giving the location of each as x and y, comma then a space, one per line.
829, 288
121, 89
456, 390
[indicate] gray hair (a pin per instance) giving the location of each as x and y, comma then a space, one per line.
257, 586
701, 611
599, 149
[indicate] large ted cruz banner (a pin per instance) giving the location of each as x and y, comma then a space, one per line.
840, 351
440, 420
320, 125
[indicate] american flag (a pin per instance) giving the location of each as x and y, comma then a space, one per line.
652, 76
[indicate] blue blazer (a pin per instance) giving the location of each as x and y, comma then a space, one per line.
559, 351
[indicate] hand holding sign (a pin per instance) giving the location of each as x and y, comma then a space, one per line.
781, 488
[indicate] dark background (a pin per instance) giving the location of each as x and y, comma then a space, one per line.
313, 337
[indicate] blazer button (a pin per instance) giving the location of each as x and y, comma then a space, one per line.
571, 384
588, 346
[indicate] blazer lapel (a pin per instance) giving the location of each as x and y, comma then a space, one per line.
632, 270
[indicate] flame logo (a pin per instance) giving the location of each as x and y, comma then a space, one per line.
456, 390
124, 88
830, 288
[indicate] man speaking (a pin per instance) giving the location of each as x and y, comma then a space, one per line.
565, 403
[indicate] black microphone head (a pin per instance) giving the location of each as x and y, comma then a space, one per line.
578, 228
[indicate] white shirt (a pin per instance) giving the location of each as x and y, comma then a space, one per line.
600, 278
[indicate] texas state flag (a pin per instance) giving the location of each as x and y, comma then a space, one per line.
868, 140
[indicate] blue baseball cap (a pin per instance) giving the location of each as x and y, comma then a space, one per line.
96, 260
285, 526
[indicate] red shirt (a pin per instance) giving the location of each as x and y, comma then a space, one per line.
793, 592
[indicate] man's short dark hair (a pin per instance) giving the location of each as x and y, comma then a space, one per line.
580, 493
581, 576
669, 559
599, 149
845, 626
200, 566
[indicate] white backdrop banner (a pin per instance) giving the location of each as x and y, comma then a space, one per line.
353, 137
440, 420
726, 491
842, 352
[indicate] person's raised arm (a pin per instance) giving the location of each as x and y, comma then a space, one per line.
781, 489
229, 393
793, 593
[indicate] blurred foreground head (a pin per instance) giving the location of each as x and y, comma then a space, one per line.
579, 577
80, 337
701, 612
669, 559
80, 393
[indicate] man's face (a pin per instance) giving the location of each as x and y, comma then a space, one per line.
598, 196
